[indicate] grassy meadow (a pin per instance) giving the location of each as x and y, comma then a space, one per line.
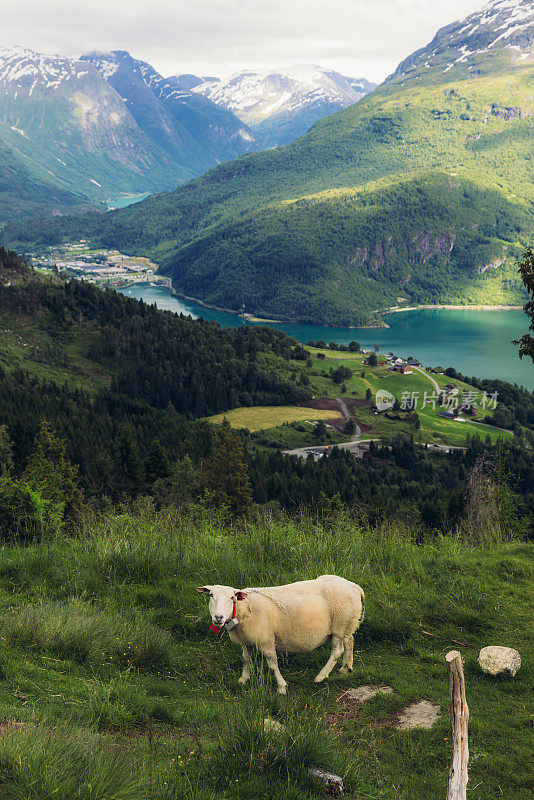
112, 687
282, 422
256, 418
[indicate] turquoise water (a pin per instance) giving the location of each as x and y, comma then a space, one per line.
473, 342
122, 202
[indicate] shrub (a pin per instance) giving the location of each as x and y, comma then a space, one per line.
25, 515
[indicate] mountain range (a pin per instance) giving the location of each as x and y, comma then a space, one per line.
279, 106
76, 133
82, 131
423, 191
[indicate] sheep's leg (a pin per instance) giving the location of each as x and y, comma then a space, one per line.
348, 644
337, 649
272, 661
247, 654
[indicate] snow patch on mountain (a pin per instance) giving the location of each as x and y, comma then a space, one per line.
105, 64
499, 24
255, 95
27, 69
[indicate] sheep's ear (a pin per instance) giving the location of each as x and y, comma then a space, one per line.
240, 595
203, 589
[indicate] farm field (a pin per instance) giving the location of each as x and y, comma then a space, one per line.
111, 683
257, 418
419, 385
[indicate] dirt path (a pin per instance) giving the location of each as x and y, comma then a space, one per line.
345, 412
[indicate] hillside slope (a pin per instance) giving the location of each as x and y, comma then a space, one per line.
422, 190
195, 132
109, 670
92, 129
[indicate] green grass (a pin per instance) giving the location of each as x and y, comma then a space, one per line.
257, 418
176, 724
38, 762
30, 343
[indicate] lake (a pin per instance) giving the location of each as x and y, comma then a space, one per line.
127, 200
473, 342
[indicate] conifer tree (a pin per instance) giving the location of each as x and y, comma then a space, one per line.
6, 452
526, 270
129, 467
224, 477
157, 465
51, 473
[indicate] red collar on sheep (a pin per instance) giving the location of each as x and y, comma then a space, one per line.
232, 622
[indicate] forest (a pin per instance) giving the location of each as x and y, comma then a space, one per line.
141, 430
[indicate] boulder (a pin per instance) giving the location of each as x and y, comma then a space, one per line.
496, 660
270, 725
363, 693
419, 715
327, 782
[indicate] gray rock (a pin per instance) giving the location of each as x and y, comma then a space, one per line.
272, 725
419, 715
495, 660
327, 781
363, 693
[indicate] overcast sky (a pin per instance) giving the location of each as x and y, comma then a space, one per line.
217, 37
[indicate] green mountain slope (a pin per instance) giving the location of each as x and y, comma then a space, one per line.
95, 128
25, 192
423, 190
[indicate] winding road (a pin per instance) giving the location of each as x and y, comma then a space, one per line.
345, 412
434, 382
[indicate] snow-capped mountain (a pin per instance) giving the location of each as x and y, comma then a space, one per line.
27, 69
190, 127
281, 105
426, 185
79, 131
67, 128
467, 44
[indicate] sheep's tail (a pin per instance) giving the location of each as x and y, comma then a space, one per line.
362, 615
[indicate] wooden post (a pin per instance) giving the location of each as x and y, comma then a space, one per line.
459, 717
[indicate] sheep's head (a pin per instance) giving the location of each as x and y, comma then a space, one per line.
221, 602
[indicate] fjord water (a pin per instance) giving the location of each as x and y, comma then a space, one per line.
127, 200
473, 342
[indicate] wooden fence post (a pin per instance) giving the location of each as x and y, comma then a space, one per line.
459, 717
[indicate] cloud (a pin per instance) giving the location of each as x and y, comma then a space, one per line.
359, 37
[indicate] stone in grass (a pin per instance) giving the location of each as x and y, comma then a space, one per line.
272, 725
496, 660
363, 693
419, 715
330, 784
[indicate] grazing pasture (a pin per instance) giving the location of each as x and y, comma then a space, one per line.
113, 688
257, 418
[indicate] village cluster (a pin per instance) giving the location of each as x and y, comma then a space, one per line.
101, 267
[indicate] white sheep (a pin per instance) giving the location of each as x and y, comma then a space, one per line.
296, 618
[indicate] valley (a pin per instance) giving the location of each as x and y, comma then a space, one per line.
422, 189
266, 368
